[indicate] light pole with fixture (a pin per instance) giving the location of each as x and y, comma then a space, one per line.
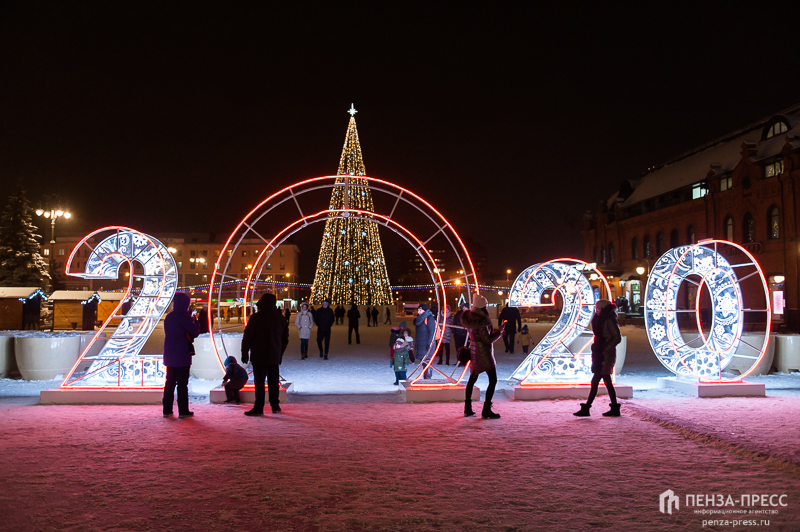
643, 273
52, 214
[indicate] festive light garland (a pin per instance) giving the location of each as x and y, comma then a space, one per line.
351, 267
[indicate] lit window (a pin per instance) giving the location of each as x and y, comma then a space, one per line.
773, 169
777, 129
61, 252
216, 252
699, 190
283, 266
180, 265
205, 265
774, 221
244, 253
46, 252
269, 265
725, 183
255, 253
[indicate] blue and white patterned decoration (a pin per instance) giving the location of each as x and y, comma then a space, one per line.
704, 354
118, 364
552, 361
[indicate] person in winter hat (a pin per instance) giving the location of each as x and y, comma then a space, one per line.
482, 336
604, 355
264, 341
234, 380
353, 316
324, 318
399, 360
425, 325
459, 333
304, 321
524, 339
180, 330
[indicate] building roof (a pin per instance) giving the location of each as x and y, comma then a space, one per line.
111, 296
693, 166
17, 292
72, 295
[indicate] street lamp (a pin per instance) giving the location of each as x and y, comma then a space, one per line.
508, 272
52, 214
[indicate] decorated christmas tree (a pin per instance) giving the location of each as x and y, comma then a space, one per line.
351, 268
21, 264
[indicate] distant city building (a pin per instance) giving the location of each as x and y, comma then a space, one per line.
743, 187
195, 255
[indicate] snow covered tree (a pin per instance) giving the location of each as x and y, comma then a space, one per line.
21, 264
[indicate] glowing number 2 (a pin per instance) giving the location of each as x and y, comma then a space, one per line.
552, 361
118, 363
703, 356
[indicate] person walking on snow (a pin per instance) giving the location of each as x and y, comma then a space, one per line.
425, 328
264, 341
447, 334
304, 321
481, 354
324, 319
375, 314
513, 323
180, 330
388, 317
604, 355
525, 339
352, 324
459, 334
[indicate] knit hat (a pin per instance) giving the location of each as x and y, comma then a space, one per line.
603, 303
402, 325
423, 306
478, 301
266, 301
400, 341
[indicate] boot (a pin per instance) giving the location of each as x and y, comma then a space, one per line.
487, 412
468, 411
614, 410
584, 411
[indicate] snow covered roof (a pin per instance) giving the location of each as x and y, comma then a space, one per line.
72, 295
111, 296
693, 166
17, 292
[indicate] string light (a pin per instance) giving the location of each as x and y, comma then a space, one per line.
351, 266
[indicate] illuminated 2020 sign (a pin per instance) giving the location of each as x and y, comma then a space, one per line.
708, 352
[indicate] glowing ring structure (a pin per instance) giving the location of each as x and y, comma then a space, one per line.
118, 364
552, 361
705, 356
293, 194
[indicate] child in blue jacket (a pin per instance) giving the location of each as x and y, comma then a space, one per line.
234, 380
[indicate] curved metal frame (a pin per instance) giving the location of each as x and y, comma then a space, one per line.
295, 193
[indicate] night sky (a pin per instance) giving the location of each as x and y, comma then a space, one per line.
514, 121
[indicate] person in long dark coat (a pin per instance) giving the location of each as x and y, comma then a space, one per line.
202, 319
481, 353
180, 330
513, 324
339, 313
604, 355
324, 319
265, 339
368, 312
375, 314
352, 324
424, 331
459, 335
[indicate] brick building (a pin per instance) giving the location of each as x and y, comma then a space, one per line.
743, 187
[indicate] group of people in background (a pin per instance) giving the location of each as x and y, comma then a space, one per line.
266, 337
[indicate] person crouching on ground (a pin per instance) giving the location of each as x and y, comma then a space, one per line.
265, 339
481, 354
604, 355
304, 321
180, 330
234, 380
399, 360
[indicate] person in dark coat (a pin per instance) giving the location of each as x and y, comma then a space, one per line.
287, 314
388, 319
265, 339
459, 335
513, 324
604, 355
368, 312
481, 354
180, 330
425, 328
339, 313
352, 324
324, 319
234, 380
202, 319
395, 333
375, 314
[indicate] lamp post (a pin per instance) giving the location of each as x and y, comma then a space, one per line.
643, 280
53, 214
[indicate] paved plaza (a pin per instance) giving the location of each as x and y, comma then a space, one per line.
361, 460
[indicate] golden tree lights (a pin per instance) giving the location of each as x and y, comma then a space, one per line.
351, 267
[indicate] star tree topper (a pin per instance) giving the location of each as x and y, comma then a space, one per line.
352, 110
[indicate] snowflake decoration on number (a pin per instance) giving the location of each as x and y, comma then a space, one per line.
657, 332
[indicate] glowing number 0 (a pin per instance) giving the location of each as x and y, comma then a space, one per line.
118, 363
705, 356
552, 361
